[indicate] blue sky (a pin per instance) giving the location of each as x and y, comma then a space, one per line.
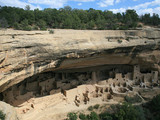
141, 6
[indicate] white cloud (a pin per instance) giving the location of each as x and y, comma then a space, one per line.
118, 1
79, 4
118, 10
55, 3
148, 7
51, 3
17, 3
82, 0
105, 3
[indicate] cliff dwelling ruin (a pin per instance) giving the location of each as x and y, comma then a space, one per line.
75, 69
82, 85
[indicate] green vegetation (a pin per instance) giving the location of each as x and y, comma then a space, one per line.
134, 99
2, 115
68, 18
126, 111
152, 108
51, 31
82, 116
90, 108
72, 116
91, 116
119, 41
96, 106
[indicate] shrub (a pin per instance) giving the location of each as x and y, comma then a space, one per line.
72, 116
139, 25
90, 108
82, 116
128, 112
127, 38
51, 31
105, 116
2, 115
119, 41
135, 99
13, 36
27, 28
43, 28
17, 26
154, 104
154, 108
96, 106
93, 116
35, 27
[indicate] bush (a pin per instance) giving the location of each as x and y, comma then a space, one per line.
2, 115
72, 116
105, 116
96, 106
51, 31
128, 112
154, 104
127, 39
27, 28
93, 116
35, 27
82, 116
43, 28
140, 26
90, 108
135, 99
119, 41
154, 108
17, 26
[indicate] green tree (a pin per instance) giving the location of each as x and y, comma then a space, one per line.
131, 18
27, 7
72, 116
3, 23
25, 25
67, 24
93, 116
42, 24
90, 25
128, 112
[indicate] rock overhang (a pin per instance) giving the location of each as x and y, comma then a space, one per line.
69, 49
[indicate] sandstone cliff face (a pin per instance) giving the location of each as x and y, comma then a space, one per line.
30, 53
9, 111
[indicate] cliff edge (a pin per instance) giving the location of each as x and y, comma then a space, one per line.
24, 54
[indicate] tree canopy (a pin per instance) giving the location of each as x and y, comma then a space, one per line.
68, 18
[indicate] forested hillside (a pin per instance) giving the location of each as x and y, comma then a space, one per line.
68, 18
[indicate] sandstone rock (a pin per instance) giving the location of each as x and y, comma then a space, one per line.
33, 52
9, 111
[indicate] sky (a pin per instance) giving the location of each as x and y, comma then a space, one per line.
141, 6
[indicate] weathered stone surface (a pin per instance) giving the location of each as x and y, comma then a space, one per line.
9, 111
30, 53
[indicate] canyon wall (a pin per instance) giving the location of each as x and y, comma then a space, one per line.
24, 54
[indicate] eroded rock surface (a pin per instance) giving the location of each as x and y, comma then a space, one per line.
76, 68
9, 111
29, 53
